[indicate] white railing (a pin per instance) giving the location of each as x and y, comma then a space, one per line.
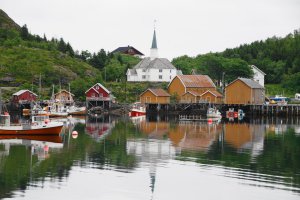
98, 99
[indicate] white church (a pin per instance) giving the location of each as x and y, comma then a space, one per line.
153, 68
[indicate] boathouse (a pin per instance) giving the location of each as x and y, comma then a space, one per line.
195, 84
244, 91
98, 96
65, 97
155, 96
212, 96
24, 97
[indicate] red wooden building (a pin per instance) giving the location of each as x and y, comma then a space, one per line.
24, 97
98, 96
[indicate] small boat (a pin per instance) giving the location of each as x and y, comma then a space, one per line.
39, 125
74, 110
213, 113
137, 109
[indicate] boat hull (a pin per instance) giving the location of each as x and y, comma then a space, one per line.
47, 130
135, 113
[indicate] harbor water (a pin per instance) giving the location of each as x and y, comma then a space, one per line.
105, 157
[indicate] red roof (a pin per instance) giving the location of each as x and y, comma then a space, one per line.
196, 81
158, 92
215, 93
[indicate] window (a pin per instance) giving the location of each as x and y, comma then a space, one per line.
144, 77
144, 70
97, 87
160, 70
170, 77
93, 94
160, 76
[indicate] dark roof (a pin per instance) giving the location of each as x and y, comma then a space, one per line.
154, 43
251, 83
126, 50
157, 63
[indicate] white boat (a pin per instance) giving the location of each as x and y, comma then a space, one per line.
137, 109
39, 125
213, 113
74, 110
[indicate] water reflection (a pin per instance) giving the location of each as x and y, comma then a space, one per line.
250, 154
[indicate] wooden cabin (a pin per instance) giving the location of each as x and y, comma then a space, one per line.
212, 96
65, 97
98, 96
182, 84
155, 96
190, 97
244, 91
24, 97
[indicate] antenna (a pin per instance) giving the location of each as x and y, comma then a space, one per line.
154, 23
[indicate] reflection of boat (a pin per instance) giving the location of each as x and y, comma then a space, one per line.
137, 109
213, 113
43, 138
39, 125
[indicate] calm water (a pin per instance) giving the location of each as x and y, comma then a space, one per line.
159, 158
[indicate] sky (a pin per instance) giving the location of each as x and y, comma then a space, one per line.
183, 27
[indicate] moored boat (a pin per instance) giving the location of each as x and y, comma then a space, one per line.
40, 125
74, 110
213, 113
137, 109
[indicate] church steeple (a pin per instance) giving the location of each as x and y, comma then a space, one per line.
154, 43
154, 50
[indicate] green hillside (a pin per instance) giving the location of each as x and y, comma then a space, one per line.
26, 59
278, 57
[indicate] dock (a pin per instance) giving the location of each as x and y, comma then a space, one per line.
201, 109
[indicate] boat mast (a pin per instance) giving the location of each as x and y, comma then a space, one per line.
0, 101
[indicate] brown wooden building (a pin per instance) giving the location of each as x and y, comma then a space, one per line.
155, 96
212, 96
64, 96
190, 86
244, 91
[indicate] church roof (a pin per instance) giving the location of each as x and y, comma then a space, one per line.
154, 43
157, 63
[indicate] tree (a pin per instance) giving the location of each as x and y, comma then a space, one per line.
25, 35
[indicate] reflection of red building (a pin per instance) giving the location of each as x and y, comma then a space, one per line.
99, 129
24, 96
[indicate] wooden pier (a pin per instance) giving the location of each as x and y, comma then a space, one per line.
249, 109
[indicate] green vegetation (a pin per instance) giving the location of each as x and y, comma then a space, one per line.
279, 58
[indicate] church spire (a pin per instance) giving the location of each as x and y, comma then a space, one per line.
154, 43
154, 50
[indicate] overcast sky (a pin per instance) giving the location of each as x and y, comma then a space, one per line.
184, 27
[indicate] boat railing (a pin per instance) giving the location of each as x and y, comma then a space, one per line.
190, 117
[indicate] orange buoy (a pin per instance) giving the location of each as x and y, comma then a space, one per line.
74, 134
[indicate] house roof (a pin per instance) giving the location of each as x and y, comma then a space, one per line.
23, 91
194, 93
253, 66
249, 82
64, 91
157, 63
104, 88
196, 81
213, 92
157, 92
125, 50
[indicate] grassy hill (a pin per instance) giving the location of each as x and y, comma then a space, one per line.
24, 58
